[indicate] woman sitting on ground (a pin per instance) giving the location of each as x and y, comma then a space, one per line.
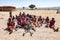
40, 21
34, 20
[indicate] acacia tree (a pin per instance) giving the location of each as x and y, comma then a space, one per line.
32, 6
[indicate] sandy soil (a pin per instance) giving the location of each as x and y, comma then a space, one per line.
41, 33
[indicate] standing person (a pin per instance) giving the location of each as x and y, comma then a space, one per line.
47, 21
10, 14
40, 21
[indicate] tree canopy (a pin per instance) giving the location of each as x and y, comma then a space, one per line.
32, 6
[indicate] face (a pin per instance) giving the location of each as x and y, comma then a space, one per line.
52, 18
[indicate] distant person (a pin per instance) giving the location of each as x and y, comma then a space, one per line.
40, 21
47, 21
34, 20
10, 14
30, 16
27, 15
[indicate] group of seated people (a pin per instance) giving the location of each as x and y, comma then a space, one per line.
27, 22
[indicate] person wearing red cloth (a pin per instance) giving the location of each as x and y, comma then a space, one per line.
39, 21
52, 25
10, 26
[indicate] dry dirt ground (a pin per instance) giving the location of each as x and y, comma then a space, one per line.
41, 33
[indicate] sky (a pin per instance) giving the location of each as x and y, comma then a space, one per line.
26, 3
